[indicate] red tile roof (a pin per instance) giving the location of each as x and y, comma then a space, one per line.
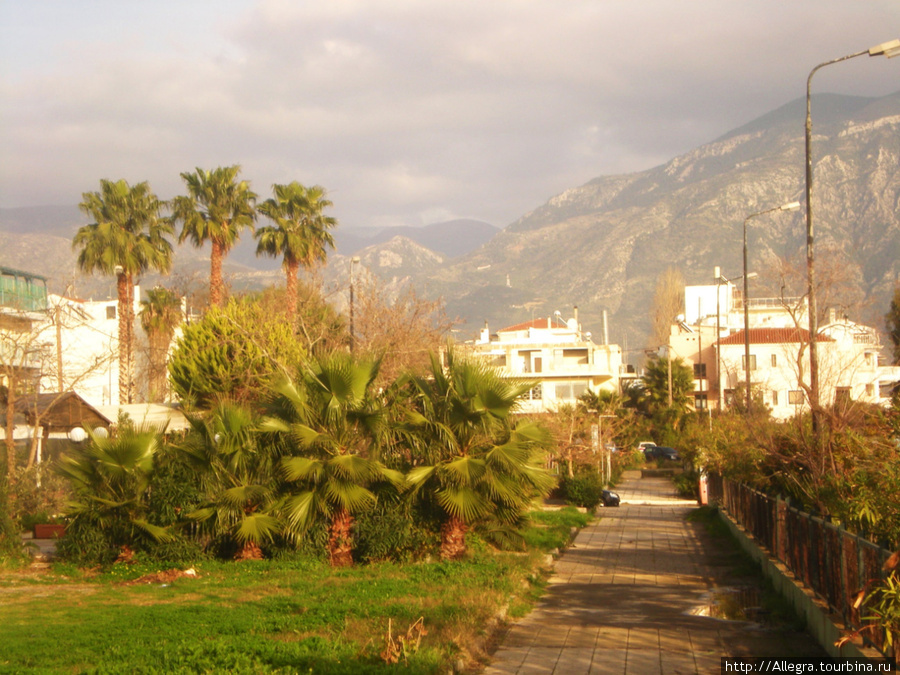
535, 323
772, 336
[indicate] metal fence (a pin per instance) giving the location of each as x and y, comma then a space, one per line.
834, 563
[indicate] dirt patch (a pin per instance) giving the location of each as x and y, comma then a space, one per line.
164, 577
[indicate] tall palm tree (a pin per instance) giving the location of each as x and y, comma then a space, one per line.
332, 426
128, 238
160, 316
479, 463
300, 234
217, 208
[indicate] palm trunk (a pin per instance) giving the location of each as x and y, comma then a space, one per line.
340, 549
130, 345
216, 283
291, 267
453, 539
124, 334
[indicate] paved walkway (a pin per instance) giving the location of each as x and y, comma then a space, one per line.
624, 599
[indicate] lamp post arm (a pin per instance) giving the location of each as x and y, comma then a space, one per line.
810, 247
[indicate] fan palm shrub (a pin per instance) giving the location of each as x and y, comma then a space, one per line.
238, 475
330, 424
474, 461
110, 478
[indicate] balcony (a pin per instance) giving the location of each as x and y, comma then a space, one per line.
22, 291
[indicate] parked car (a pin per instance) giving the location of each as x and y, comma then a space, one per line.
610, 498
661, 452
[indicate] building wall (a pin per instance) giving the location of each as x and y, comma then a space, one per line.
563, 363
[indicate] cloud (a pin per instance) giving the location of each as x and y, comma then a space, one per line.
404, 109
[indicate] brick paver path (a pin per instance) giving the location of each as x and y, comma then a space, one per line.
623, 599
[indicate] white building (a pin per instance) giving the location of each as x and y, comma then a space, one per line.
711, 340
563, 361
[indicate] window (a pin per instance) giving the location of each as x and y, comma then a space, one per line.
752, 362
699, 371
795, 397
774, 360
870, 389
774, 395
701, 401
110, 312
570, 390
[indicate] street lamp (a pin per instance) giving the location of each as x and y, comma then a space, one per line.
888, 49
353, 260
792, 206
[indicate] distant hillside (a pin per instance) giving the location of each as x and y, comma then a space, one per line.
450, 239
603, 244
24, 234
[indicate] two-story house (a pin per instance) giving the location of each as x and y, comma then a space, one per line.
563, 361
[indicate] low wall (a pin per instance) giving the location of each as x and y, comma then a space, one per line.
821, 624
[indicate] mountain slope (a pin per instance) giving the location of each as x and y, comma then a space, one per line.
602, 245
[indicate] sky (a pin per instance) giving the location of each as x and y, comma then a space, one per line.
408, 112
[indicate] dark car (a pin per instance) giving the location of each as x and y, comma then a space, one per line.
661, 452
610, 498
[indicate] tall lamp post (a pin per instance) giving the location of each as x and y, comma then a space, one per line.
792, 206
888, 49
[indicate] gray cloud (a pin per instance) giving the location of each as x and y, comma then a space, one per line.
407, 112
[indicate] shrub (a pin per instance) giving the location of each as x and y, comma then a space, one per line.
395, 530
86, 544
584, 489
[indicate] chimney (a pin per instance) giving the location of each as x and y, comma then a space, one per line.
485, 333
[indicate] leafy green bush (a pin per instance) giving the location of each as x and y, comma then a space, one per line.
86, 543
687, 485
233, 352
395, 530
584, 489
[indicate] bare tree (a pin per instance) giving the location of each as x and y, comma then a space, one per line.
668, 303
397, 326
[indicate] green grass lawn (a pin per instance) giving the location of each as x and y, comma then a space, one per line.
289, 615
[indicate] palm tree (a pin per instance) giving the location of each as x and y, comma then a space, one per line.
127, 239
300, 233
480, 464
238, 474
217, 208
160, 316
332, 426
110, 478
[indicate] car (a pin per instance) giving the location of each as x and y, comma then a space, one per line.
645, 444
661, 452
610, 498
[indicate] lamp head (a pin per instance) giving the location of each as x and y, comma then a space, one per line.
888, 49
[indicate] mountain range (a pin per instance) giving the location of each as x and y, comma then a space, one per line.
602, 245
